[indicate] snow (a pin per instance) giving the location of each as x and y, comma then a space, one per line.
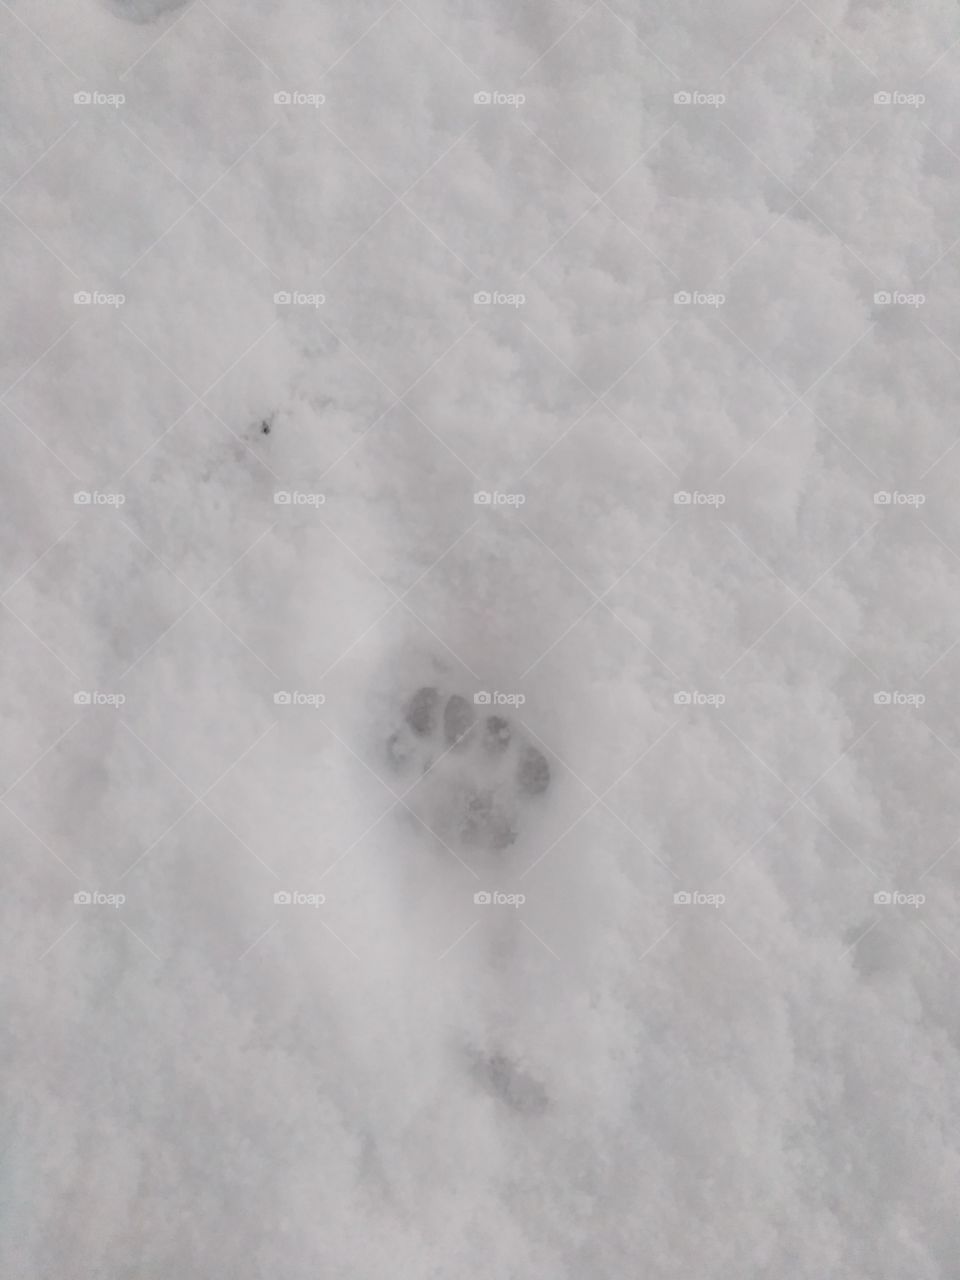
746, 697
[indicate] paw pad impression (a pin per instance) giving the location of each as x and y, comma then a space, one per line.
479, 770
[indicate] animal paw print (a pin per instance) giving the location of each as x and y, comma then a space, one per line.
479, 773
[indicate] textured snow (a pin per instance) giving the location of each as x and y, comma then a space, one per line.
601, 1081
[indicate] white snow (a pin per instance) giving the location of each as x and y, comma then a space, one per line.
397, 1081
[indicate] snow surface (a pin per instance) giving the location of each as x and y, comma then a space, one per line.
601, 1082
